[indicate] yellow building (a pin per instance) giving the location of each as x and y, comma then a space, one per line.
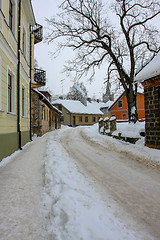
18, 34
77, 114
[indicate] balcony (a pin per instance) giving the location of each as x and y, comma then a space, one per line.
37, 30
39, 78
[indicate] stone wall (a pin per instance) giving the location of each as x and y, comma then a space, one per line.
152, 114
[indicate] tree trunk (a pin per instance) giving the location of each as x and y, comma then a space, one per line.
131, 95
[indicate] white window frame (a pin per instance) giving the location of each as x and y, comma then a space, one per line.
13, 91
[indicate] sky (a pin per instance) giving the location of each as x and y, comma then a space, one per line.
53, 67
58, 82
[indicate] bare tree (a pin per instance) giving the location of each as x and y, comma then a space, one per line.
124, 44
78, 92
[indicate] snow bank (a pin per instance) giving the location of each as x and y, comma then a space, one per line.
130, 129
138, 152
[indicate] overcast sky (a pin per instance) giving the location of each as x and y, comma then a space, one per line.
53, 67
46, 9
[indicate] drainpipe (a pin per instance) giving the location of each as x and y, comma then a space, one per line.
30, 82
18, 77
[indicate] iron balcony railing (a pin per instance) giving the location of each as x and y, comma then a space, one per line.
40, 76
37, 30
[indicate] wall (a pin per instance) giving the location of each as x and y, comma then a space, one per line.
152, 112
118, 112
9, 64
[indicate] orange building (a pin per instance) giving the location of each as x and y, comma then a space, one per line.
119, 107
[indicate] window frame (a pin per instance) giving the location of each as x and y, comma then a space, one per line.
120, 101
12, 20
10, 93
23, 101
11, 109
93, 119
86, 119
10, 12
24, 42
80, 119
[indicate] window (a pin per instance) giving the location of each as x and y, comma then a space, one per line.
23, 101
24, 43
94, 119
10, 93
44, 112
124, 115
120, 104
80, 118
86, 119
12, 21
11, 15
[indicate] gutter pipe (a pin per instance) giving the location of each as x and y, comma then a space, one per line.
18, 78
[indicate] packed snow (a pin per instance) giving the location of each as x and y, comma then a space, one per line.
71, 208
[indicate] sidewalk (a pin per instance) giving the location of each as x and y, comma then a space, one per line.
21, 182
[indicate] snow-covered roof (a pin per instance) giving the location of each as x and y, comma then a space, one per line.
107, 104
152, 69
74, 106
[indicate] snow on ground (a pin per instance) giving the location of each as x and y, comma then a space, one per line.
72, 209
130, 129
138, 151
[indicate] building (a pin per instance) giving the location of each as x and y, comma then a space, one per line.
45, 117
119, 108
149, 76
77, 114
18, 34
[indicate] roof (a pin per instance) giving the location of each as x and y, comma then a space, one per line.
152, 69
45, 100
77, 107
107, 104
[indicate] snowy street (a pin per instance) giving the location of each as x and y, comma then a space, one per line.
74, 183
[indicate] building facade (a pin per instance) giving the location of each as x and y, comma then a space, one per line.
17, 39
45, 117
149, 76
77, 114
119, 108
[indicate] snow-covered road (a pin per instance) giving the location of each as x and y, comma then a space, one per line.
74, 183
134, 187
